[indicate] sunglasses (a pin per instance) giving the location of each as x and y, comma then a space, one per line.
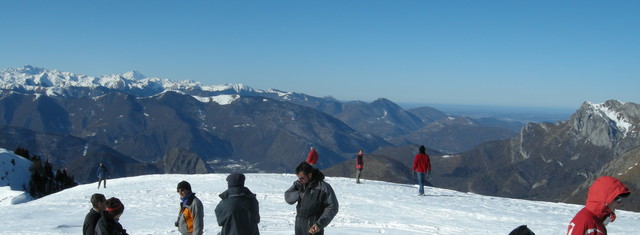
618, 199
181, 190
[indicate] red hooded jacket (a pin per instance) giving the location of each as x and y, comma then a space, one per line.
590, 220
312, 157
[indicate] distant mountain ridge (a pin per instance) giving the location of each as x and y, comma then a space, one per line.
32, 79
148, 123
381, 117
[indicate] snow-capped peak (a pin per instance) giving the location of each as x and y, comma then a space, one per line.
134, 75
56, 83
611, 110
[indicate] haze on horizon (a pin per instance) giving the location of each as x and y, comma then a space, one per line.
498, 53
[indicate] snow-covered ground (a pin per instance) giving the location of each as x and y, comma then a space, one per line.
373, 207
14, 171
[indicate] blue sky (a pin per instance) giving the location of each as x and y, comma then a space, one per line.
505, 53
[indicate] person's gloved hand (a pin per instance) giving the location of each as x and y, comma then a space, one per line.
297, 185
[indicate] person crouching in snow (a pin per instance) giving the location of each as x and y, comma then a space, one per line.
605, 194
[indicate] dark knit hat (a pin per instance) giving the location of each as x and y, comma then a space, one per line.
114, 206
184, 185
422, 149
235, 180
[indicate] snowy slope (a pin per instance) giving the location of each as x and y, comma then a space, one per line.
14, 171
374, 207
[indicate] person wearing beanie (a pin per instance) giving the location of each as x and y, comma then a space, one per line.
238, 211
108, 223
98, 202
422, 167
191, 215
317, 203
605, 194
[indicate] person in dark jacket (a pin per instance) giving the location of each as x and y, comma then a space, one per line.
108, 223
238, 212
422, 167
102, 174
91, 219
359, 165
191, 215
605, 194
317, 203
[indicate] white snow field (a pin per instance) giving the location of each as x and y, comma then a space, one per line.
373, 207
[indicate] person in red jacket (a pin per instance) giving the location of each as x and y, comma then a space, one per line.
422, 167
605, 194
359, 165
312, 157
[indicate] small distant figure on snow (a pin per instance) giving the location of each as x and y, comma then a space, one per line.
102, 174
98, 204
238, 211
422, 167
108, 223
359, 165
312, 157
605, 194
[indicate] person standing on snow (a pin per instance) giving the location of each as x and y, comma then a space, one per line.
317, 203
108, 223
238, 211
98, 202
359, 165
422, 167
102, 175
312, 157
605, 194
191, 216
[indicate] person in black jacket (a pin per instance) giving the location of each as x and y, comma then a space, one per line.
238, 212
317, 203
91, 219
108, 223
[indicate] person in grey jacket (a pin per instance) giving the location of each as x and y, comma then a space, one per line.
191, 216
238, 212
317, 203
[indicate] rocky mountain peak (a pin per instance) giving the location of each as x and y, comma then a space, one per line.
607, 123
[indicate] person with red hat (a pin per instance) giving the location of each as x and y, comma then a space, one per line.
108, 223
605, 194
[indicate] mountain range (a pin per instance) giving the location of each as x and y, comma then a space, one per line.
545, 161
139, 125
